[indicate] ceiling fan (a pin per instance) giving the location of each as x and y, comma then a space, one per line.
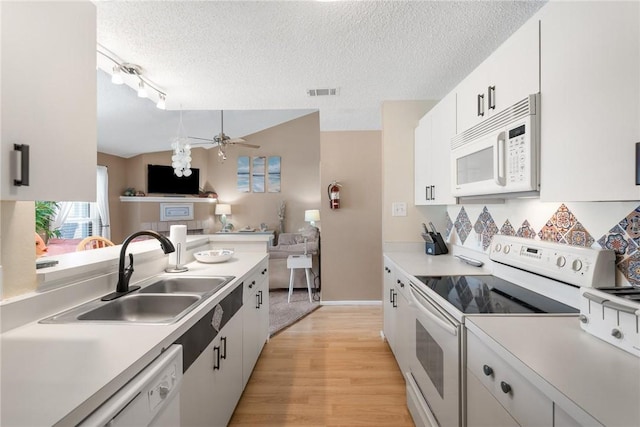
222, 141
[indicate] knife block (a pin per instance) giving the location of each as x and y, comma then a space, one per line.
437, 247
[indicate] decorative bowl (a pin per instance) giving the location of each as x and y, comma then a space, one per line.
213, 255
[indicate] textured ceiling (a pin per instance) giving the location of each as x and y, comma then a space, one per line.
264, 55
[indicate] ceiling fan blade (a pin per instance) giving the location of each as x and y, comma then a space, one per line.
203, 139
244, 144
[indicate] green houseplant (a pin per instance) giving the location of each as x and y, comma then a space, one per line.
45, 214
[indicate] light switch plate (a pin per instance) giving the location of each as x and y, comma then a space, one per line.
398, 209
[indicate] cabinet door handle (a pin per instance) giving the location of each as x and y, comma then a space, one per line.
257, 301
391, 296
260, 297
216, 363
24, 165
491, 92
426, 192
488, 370
506, 388
433, 192
481, 104
394, 301
223, 340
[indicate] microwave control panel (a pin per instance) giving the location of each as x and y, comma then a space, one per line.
516, 155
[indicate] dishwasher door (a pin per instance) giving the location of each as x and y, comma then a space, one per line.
151, 398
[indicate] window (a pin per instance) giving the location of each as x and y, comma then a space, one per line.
83, 221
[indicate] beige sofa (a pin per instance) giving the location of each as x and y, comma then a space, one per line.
294, 244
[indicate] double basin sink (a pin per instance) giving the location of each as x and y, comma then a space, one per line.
164, 301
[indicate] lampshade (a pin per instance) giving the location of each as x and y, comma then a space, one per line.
312, 215
223, 209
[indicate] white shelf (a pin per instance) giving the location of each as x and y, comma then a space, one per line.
167, 199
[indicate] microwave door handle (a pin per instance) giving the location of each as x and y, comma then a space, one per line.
418, 305
498, 160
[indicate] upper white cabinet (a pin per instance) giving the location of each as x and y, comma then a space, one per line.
509, 75
49, 99
590, 86
432, 154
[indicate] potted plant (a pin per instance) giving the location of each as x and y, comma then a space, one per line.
45, 214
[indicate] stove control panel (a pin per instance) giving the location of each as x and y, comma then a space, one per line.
575, 265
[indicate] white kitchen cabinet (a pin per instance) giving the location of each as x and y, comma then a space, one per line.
590, 63
213, 385
510, 74
49, 99
389, 305
255, 328
483, 410
432, 154
398, 329
527, 405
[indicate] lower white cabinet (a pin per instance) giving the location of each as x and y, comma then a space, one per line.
212, 385
527, 405
483, 410
397, 319
255, 324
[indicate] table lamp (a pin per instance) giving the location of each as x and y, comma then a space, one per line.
223, 210
311, 216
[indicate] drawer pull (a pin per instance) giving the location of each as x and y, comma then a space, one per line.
488, 370
616, 333
506, 388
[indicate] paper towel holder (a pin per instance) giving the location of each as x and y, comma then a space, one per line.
177, 268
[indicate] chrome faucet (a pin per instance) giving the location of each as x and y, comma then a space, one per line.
124, 274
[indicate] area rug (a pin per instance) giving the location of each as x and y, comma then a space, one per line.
283, 314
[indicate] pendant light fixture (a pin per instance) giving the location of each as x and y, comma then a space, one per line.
181, 158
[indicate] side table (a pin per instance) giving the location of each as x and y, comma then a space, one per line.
299, 261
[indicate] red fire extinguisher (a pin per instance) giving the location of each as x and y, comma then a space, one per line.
334, 194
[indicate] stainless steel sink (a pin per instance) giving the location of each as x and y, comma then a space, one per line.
164, 301
143, 308
197, 285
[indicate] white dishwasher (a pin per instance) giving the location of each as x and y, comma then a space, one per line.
151, 398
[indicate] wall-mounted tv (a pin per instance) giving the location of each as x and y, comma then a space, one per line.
161, 179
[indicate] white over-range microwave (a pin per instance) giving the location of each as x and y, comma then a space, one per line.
500, 155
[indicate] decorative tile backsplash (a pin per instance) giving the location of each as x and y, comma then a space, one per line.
624, 239
562, 227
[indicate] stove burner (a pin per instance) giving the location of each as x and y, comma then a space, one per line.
491, 295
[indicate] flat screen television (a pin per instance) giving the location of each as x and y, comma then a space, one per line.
161, 179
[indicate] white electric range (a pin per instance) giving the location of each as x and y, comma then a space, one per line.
529, 278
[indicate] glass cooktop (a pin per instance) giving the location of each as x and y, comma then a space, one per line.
492, 295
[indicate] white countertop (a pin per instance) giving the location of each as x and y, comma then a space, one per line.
56, 374
418, 263
569, 365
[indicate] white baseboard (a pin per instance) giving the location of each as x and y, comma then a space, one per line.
365, 302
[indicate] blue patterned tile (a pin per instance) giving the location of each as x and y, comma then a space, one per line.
490, 230
549, 232
478, 227
526, 231
463, 225
579, 236
449, 225
632, 224
617, 240
630, 268
507, 229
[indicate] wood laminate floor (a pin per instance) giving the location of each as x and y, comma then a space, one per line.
329, 369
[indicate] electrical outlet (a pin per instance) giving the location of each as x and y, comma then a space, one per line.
398, 209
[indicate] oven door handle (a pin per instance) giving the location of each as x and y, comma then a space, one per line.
424, 310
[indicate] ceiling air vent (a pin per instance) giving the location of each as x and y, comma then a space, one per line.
323, 92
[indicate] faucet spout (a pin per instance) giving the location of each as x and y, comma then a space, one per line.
124, 274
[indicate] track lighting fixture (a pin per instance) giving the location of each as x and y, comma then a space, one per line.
120, 69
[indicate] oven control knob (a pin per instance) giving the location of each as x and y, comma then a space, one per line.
506, 388
497, 247
488, 370
506, 249
561, 261
576, 265
584, 319
616, 333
